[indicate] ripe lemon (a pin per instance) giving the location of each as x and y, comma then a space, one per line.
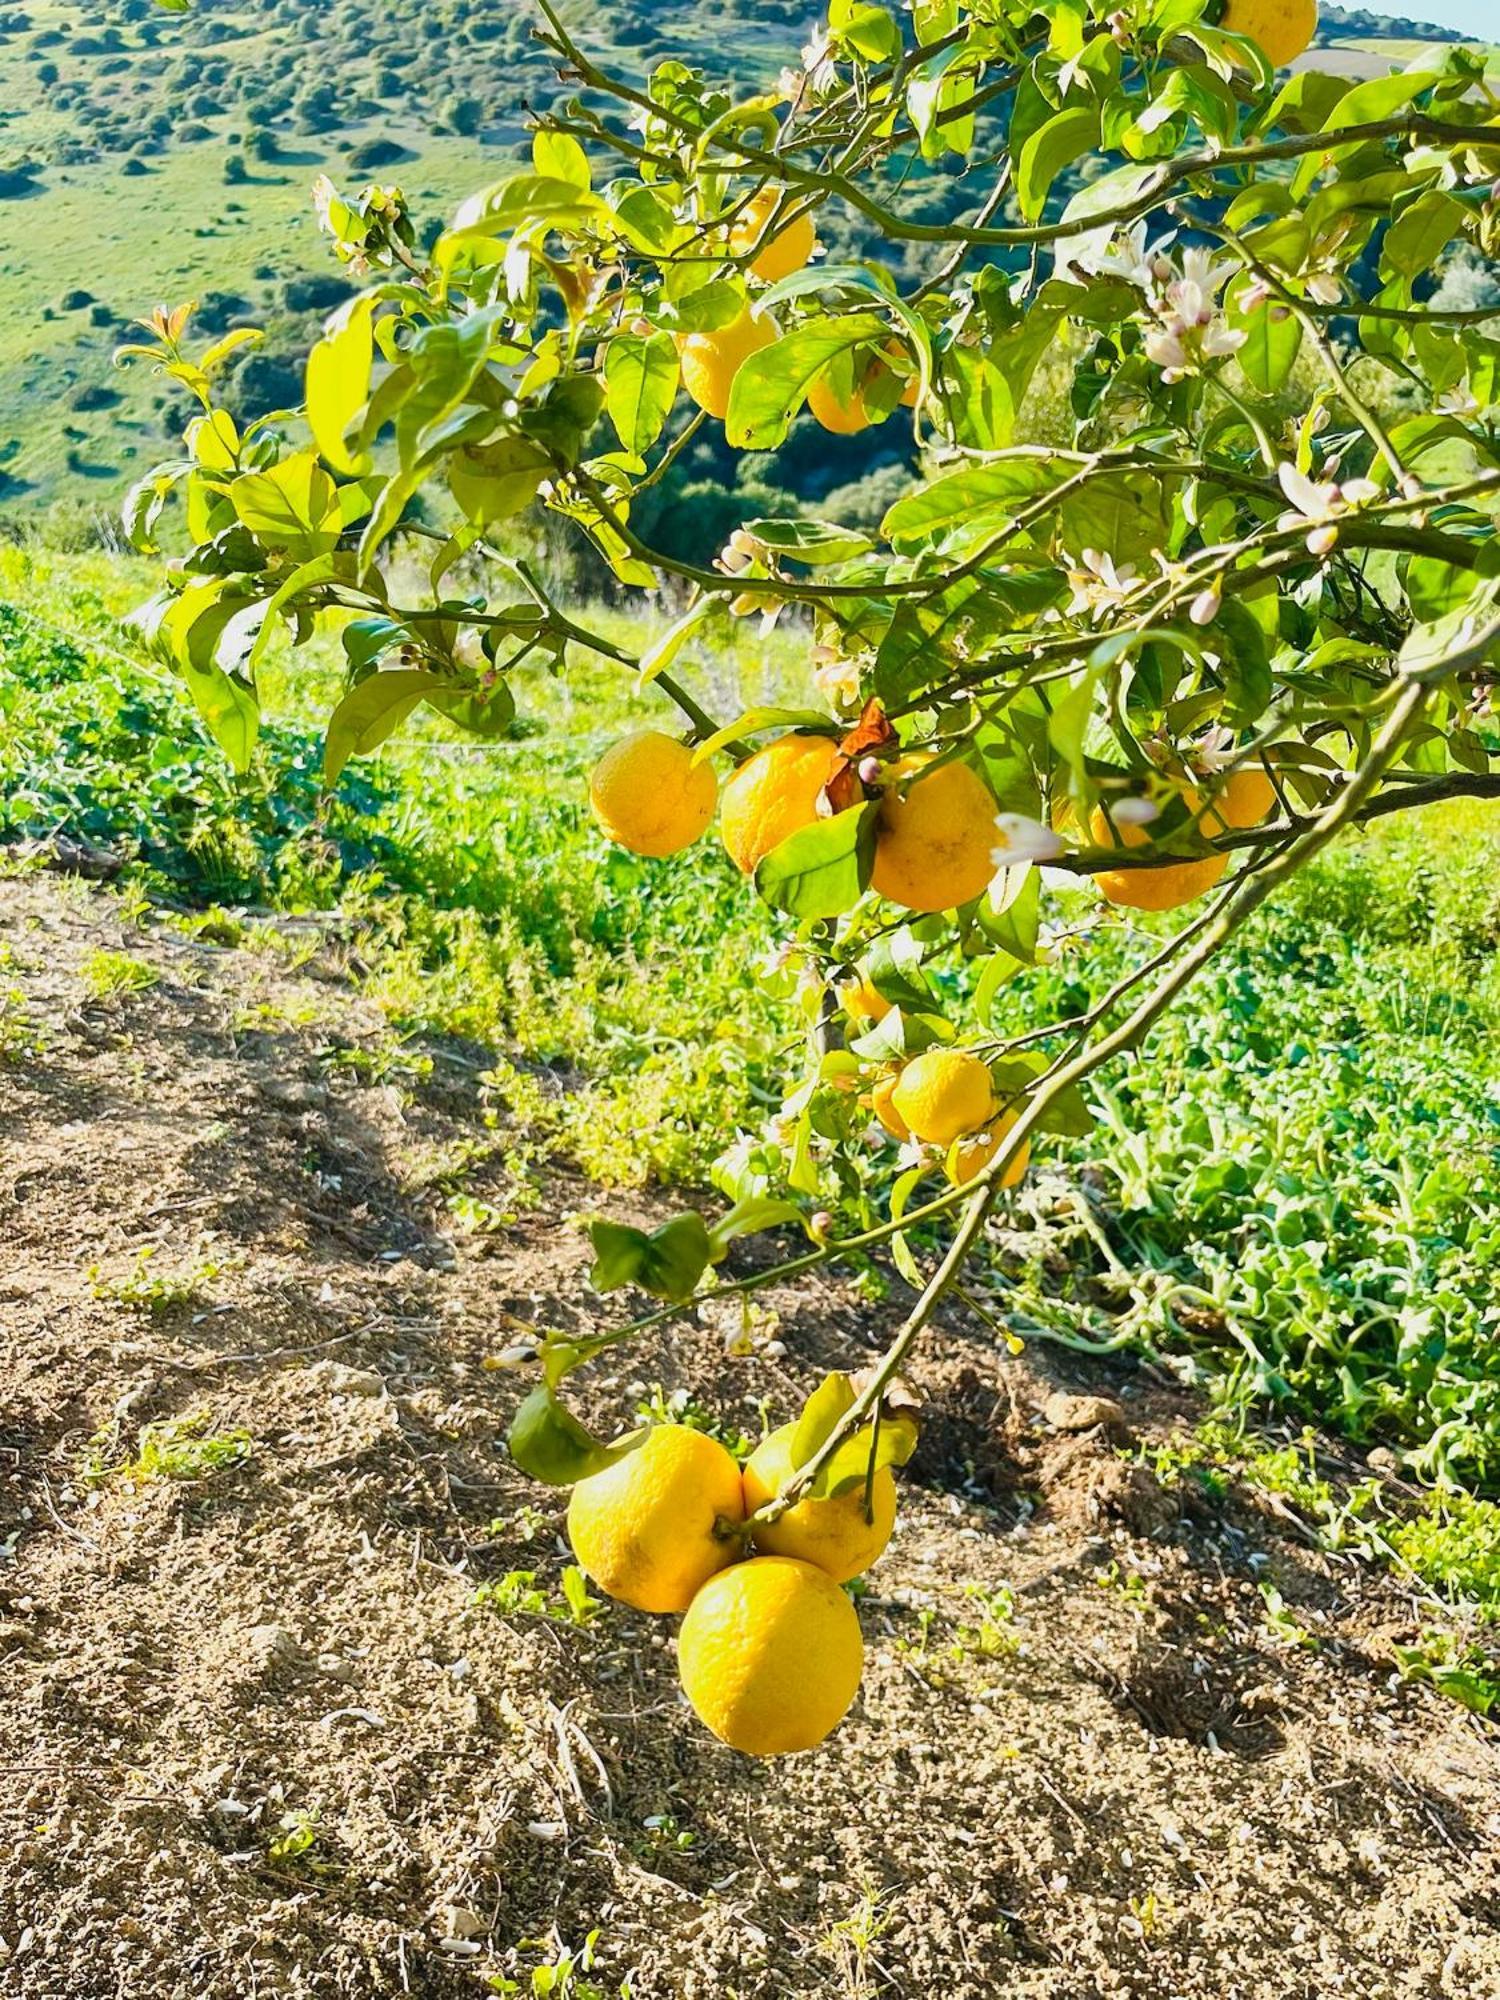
1246, 799
1164, 888
649, 795
1282, 29
833, 413
883, 1105
968, 1158
944, 1094
772, 794
861, 999
934, 838
833, 1533
777, 256
650, 1528
711, 360
770, 1655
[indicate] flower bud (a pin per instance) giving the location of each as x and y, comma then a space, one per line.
1323, 541
821, 1224
1204, 608
869, 770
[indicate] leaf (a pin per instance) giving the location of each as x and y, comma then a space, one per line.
771, 385
1422, 230
821, 870
1055, 145
931, 511
1126, 513
291, 506
747, 1218
338, 383
668, 1263
849, 1466
369, 713
822, 1410
662, 652
493, 481
811, 542
640, 385
1273, 337
547, 1442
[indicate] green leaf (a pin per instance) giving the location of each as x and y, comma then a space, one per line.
822, 1410
1125, 513
1420, 233
1055, 145
747, 1218
770, 387
640, 383
932, 511
811, 542
668, 1263
369, 713
291, 506
849, 1466
822, 869
493, 481
338, 383
1272, 339
547, 1442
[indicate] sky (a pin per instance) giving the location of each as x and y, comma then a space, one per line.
1470, 17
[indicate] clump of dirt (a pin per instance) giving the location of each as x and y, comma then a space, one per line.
267, 1732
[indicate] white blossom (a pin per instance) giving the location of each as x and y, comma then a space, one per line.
1319, 504
1097, 585
1021, 840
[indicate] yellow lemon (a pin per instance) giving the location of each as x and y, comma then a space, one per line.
653, 1528
935, 837
649, 795
772, 794
944, 1094
770, 1655
968, 1158
1281, 29
833, 1533
833, 413
862, 1000
711, 360
1164, 888
778, 255
1247, 798
883, 1105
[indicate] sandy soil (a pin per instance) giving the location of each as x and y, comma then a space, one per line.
257, 1737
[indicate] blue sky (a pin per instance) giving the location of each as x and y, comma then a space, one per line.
1470, 17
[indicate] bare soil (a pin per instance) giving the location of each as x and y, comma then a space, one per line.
257, 1738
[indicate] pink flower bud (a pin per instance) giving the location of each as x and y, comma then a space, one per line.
1204, 608
1323, 541
821, 1223
869, 770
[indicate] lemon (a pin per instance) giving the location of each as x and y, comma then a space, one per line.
833, 413
770, 1655
778, 255
882, 1103
1281, 29
1247, 797
833, 1532
650, 1529
968, 1158
711, 360
1164, 888
861, 998
935, 837
649, 795
772, 794
943, 1095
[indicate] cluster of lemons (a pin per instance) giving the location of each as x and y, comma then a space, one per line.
935, 832
769, 1652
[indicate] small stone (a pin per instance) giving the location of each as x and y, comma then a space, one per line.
1086, 1413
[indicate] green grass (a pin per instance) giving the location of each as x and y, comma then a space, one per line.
1302, 1184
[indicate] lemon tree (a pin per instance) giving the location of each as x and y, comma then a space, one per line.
1250, 600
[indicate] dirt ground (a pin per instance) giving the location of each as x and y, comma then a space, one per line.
258, 1739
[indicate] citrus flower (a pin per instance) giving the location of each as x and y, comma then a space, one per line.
1317, 505
1021, 839
1097, 585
